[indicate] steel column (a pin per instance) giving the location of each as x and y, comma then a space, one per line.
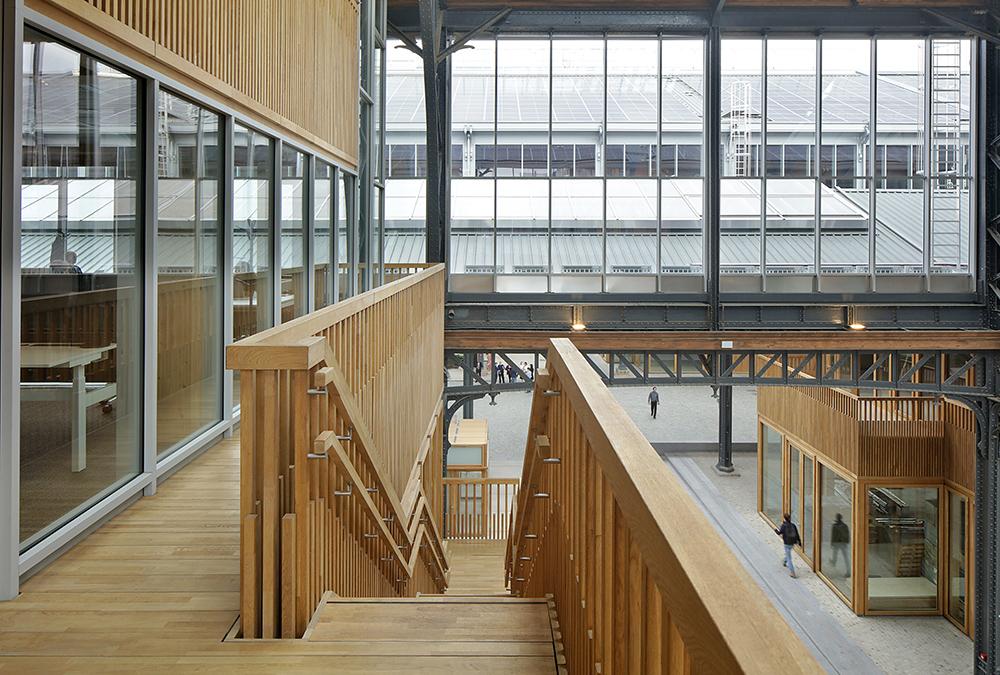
713, 113
725, 463
12, 17
986, 602
430, 39
468, 410
146, 231
226, 233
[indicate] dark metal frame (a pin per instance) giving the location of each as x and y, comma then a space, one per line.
713, 308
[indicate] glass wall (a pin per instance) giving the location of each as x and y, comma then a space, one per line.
836, 510
843, 167
741, 188
794, 488
346, 236
81, 300
789, 158
189, 266
293, 241
253, 171
903, 548
405, 184
830, 193
808, 509
958, 507
682, 164
95, 207
899, 157
323, 196
771, 494
253, 220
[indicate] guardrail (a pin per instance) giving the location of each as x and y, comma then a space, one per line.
479, 508
340, 455
640, 578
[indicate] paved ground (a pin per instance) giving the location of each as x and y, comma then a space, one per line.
689, 415
686, 415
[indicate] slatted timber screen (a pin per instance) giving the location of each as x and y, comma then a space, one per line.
875, 437
642, 583
293, 63
959, 445
479, 508
340, 455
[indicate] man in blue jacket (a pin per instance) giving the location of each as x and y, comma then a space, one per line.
790, 537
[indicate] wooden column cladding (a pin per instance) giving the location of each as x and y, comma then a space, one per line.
340, 479
641, 580
292, 64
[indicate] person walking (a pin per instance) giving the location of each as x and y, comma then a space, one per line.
654, 402
500, 373
840, 538
790, 537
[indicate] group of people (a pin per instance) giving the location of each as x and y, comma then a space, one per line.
508, 373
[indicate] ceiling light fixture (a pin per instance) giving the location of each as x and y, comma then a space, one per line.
852, 321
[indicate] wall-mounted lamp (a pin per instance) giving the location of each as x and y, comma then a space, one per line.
852, 320
578, 323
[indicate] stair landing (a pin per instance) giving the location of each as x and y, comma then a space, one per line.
476, 567
438, 634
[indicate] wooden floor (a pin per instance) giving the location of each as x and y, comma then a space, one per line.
440, 634
155, 590
477, 568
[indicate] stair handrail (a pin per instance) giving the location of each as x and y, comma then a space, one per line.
318, 493
639, 575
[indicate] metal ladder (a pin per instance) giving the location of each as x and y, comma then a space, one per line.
739, 158
163, 134
946, 150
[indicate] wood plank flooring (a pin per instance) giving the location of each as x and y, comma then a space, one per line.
477, 567
155, 590
464, 634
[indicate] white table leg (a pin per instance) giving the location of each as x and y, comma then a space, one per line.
78, 416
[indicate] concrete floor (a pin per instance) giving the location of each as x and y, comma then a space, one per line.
689, 415
686, 415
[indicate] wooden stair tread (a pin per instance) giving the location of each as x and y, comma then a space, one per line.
472, 633
432, 621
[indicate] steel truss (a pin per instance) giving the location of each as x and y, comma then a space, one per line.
950, 373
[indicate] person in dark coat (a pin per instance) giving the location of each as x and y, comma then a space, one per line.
840, 540
790, 537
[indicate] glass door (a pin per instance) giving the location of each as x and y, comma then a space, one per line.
806, 528
794, 504
957, 589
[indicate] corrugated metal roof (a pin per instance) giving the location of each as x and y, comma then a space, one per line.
581, 98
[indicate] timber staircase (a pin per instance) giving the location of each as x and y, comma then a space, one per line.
439, 633
476, 626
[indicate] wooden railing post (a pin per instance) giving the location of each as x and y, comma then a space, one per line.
335, 436
631, 562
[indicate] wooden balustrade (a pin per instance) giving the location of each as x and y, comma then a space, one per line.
880, 436
641, 581
479, 508
341, 446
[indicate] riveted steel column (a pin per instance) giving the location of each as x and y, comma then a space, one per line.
725, 463
713, 114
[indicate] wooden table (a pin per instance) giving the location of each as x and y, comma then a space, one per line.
76, 359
